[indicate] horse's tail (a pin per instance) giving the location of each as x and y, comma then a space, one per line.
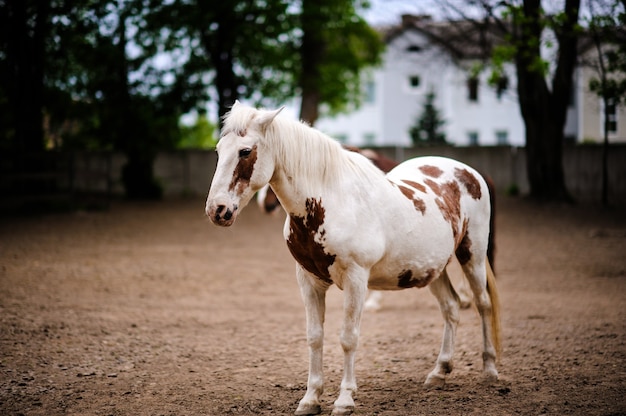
492, 290
491, 278
491, 245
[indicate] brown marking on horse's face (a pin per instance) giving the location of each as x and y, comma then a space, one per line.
243, 171
449, 202
419, 204
432, 171
415, 185
308, 252
463, 250
406, 279
469, 180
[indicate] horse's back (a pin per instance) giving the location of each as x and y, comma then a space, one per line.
434, 175
459, 193
433, 167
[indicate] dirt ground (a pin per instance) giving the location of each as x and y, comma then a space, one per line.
148, 309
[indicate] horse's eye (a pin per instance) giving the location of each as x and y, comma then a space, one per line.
245, 152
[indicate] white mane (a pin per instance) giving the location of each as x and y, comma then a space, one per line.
302, 151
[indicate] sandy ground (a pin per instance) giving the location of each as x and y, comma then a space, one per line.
148, 309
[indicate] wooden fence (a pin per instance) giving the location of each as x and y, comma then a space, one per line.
97, 175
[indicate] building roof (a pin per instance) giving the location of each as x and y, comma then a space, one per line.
464, 39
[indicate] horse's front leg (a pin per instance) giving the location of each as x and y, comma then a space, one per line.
314, 297
355, 291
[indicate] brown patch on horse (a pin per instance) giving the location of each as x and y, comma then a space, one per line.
449, 202
243, 171
432, 171
406, 279
469, 180
415, 185
309, 253
419, 204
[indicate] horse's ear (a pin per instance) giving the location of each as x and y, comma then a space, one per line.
236, 103
267, 117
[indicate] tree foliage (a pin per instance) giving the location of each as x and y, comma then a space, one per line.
335, 47
199, 135
243, 48
118, 74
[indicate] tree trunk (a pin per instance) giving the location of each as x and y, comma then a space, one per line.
225, 81
25, 56
605, 155
138, 172
311, 54
543, 110
220, 49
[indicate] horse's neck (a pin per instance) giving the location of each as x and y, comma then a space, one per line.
292, 193
307, 165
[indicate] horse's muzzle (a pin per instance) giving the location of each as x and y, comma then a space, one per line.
221, 214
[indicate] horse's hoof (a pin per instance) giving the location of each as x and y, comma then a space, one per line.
308, 409
490, 377
435, 381
343, 410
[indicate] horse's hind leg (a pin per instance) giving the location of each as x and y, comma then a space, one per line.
449, 305
482, 282
459, 282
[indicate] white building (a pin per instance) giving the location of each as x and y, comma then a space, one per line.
423, 55
585, 120
416, 62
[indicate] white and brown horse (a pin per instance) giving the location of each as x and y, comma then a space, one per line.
351, 225
269, 203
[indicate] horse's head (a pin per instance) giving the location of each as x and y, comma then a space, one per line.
244, 163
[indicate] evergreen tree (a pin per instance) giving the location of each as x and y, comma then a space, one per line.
427, 128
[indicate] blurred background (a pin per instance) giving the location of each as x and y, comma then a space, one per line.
108, 98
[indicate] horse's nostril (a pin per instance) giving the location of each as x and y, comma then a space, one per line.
228, 215
219, 209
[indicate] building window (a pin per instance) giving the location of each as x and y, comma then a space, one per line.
611, 115
472, 89
472, 138
370, 92
414, 81
502, 84
413, 48
502, 137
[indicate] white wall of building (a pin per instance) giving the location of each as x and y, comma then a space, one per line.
397, 104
